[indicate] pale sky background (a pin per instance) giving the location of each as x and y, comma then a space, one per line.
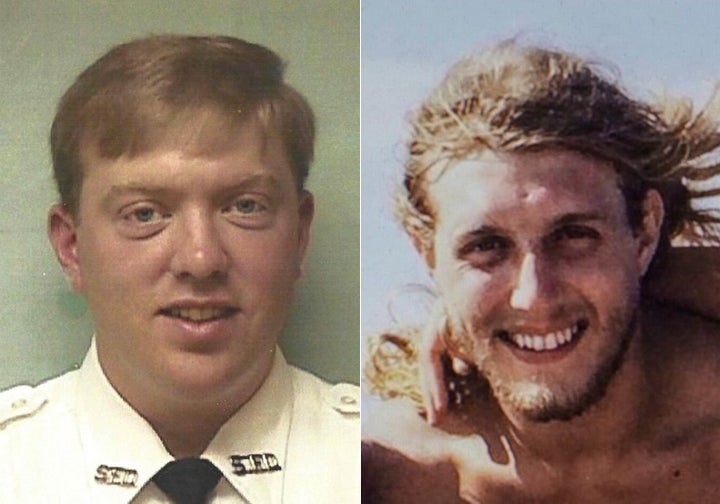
407, 45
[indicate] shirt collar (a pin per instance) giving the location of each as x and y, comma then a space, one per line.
250, 449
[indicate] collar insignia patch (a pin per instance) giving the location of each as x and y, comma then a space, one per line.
116, 476
254, 463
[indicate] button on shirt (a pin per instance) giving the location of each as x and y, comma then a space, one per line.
74, 439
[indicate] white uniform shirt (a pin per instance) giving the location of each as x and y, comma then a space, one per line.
73, 439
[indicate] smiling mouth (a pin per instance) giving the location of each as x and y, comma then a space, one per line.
544, 342
207, 314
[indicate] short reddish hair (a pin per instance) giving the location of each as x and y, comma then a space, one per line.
141, 93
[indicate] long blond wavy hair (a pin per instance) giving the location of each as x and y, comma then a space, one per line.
512, 98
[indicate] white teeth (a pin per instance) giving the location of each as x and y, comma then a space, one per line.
550, 341
519, 341
196, 314
528, 341
538, 343
569, 333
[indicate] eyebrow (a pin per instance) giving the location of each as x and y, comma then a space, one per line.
575, 217
261, 179
265, 180
462, 240
565, 219
155, 190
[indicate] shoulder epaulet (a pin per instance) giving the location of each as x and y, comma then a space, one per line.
19, 402
343, 398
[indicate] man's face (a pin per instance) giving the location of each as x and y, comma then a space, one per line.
188, 262
539, 271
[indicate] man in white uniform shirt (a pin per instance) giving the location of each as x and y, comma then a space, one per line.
183, 220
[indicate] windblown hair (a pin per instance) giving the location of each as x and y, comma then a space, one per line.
392, 369
512, 98
154, 90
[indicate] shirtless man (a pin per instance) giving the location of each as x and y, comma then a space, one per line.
544, 200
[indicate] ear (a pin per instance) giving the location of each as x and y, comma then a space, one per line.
62, 233
306, 210
648, 235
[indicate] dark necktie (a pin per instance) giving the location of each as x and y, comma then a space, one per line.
188, 481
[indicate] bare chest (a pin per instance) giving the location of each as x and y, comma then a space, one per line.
687, 474
683, 468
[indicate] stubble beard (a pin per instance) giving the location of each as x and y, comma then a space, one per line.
541, 402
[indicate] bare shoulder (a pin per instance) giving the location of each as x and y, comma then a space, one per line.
683, 356
389, 477
403, 458
681, 337
406, 460
397, 425
689, 278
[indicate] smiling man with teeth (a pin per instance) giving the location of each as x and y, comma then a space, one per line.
199, 314
183, 220
549, 341
565, 360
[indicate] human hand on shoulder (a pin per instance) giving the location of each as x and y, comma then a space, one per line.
431, 352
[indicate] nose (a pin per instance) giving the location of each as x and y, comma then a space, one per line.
529, 286
199, 250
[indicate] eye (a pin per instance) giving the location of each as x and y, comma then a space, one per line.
574, 232
490, 243
247, 206
572, 239
144, 215
486, 251
249, 210
142, 220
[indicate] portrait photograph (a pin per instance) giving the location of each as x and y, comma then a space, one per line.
46, 44
539, 252
180, 247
